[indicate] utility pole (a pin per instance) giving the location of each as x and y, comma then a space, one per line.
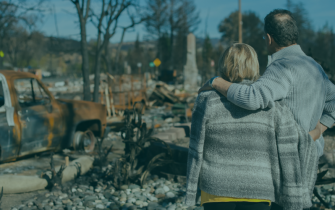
239, 22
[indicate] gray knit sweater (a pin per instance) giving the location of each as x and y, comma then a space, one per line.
262, 154
299, 81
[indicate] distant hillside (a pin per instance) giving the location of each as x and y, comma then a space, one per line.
67, 45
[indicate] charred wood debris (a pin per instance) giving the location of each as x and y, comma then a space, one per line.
135, 135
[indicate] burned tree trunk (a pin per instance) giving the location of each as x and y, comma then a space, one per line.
83, 15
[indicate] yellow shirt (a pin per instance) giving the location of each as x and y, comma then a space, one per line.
208, 198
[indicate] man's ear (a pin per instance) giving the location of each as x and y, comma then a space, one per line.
270, 39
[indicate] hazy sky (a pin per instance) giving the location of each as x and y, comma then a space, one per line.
319, 11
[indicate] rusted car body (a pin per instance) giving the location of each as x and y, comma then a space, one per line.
32, 120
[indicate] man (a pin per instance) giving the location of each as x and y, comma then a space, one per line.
290, 76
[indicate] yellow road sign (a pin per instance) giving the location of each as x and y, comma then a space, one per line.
157, 62
1, 54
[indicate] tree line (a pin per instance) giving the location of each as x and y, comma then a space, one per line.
167, 24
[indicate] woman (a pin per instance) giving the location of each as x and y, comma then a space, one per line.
247, 159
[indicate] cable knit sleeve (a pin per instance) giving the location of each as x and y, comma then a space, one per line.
287, 138
195, 152
328, 116
272, 86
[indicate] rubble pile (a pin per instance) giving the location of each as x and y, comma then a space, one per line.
162, 94
327, 193
90, 192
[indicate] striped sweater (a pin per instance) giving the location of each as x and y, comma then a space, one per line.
299, 81
262, 154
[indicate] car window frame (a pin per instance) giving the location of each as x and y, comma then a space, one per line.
30, 80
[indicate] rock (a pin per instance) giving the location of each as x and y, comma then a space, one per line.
134, 186
136, 190
153, 205
131, 200
136, 194
142, 198
74, 190
166, 188
108, 195
65, 201
89, 204
114, 207
100, 206
139, 202
124, 187
172, 207
159, 191
132, 208
152, 198
90, 198
152, 190
123, 199
170, 195
160, 196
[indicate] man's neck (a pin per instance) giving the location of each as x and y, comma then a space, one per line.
277, 49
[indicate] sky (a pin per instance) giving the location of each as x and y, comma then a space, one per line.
320, 12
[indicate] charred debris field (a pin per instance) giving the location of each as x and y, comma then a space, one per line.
142, 165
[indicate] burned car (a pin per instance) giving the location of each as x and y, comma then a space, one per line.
32, 120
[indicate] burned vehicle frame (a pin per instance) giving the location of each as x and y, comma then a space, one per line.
32, 120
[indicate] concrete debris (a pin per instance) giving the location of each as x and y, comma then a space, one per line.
21, 184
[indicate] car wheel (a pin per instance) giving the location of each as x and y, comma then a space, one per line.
84, 141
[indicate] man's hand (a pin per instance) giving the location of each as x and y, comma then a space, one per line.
205, 87
218, 84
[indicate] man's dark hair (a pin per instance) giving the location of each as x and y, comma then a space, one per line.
281, 25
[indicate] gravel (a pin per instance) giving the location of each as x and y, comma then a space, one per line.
157, 194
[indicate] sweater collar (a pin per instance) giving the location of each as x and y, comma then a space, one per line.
293, 50
246, 82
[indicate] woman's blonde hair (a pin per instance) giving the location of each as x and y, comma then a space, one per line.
239, 62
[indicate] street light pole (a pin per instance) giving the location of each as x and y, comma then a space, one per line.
239, 22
